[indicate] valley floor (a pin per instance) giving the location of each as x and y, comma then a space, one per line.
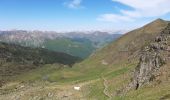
94, 85
91, 90
45, 91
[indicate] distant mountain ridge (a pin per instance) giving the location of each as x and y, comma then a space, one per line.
72, 43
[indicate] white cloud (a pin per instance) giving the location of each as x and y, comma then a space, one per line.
74, 4
147, 8
113, 18
142, 8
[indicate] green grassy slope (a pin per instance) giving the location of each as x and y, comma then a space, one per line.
122, 54
70, 46
125, 52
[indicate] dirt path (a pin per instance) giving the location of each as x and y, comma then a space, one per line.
106, 91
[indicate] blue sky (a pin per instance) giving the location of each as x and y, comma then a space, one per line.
73, 15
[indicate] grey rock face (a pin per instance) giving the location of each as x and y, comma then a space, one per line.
153, 57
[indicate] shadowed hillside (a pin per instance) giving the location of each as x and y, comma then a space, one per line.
16, 59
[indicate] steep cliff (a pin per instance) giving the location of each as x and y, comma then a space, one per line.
153, 57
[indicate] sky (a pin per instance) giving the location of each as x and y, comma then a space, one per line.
80, 15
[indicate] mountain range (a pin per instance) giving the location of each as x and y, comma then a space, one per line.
133, 67
73, 43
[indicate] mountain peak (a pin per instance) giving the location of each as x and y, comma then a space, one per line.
159, 20
155, 26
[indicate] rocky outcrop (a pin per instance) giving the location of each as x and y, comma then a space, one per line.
152, 58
